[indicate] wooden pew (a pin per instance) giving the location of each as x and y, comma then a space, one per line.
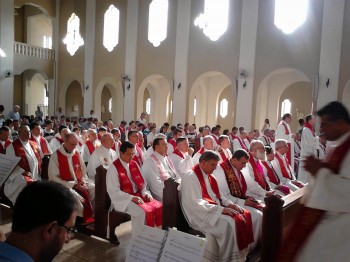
278, 216
172, 211
197, 144
102, 212
45, 167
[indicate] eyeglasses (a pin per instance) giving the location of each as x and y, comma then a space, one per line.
70, 231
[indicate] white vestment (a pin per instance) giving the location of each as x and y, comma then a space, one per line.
182, 165
122, 201
226, 152
196, 156
237, 144
54, 175
54, 143
284, 181
220, 176
151, 174
100, 157
37, 139
330, 192
219, 229
85, 153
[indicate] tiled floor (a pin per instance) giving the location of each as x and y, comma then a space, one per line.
82, 247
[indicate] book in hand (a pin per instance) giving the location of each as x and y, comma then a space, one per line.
7, 165
154, 244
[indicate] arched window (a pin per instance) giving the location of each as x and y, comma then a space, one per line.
194, 107
290, 14
157, 21
110, 105
286, 107
73, 40
214, 20
223, 107
111, 28
171, 107
148, 106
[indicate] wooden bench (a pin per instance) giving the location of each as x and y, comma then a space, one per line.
102, 210
278, 216
45, 167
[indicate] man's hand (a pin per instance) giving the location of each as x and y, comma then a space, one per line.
270, 193
312, 165
137, 200
237, 208
251, 202
190, 151
229, 211
148, 198
80, 186
26, 173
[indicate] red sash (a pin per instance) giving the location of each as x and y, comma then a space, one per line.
236, 189
258, 173
114, 147
172, 142
66, 175
244, 226
308, 126
90, 146
266, 140
20, 152
152, 209
216, 139
43, 144
286, 173
177, 152
243, 146
286, 130
271, 173
3, 149
201, 151
122, 129
233, 136
138, 158
222, 154
60, 140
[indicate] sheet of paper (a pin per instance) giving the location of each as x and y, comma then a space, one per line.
146, 246
7, 165
183, 247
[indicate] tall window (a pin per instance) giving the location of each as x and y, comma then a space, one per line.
148, 106
157, 21
110, 105
171, 107
73, 40
214, 20
286, 107
111, 28
223, 108
47, 42
194, 107
290, 14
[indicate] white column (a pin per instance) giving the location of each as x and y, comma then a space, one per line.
6, 44
249, 25
331, 41
89, 43
53, 90
181, 55
130, 58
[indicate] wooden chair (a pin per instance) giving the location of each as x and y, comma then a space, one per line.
45, 167
172, 211
278, 215
197, 145
102, 210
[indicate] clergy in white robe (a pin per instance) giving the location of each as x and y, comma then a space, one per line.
67, 168
128, 191
90, 145
223, 148
139, 156
210, 212
322, 146
181, 157
326, 235
151, 136
241, 142
282, 167
172, 141
233, 186
117, 142
57, 140
158, 167
39, 140
102, 156
208, 144
265, 137
283, 131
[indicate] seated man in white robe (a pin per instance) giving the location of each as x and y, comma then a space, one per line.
128, 191
282, 167
241, 142
325, 216
67, 168
90, 145
150, 150
322, 145
48, 132
265, 137
208, 144
257, 183
57, 140
102, 156
224, 148
39, 140
182, 156
232, 185
227, 226
158, 167
117, 142
139, 156
172, 141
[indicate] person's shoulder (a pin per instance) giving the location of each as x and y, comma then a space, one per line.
9, 253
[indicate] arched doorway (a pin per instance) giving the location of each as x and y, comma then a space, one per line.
74, 100
106, 104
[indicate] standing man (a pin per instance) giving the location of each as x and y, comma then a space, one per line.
283, 132
38, 112
128, 191
325, 217
14, 114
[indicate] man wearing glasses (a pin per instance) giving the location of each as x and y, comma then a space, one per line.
39, 231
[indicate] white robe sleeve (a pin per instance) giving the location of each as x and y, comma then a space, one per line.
253, 188
151, 174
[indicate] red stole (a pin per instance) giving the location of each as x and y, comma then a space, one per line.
20, 152
244, 226
90, 146
138, 158
178, 152
286, 173
310, 127
3, 149
152, 209
308, 218
215, 138
114, 146
172, 142
60, 140
43, 144
271, 173
233, 136
222, 154
243, 146
286, 130
235, 187
266, 140
258, 173
201, 151
122, 129
66, 175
